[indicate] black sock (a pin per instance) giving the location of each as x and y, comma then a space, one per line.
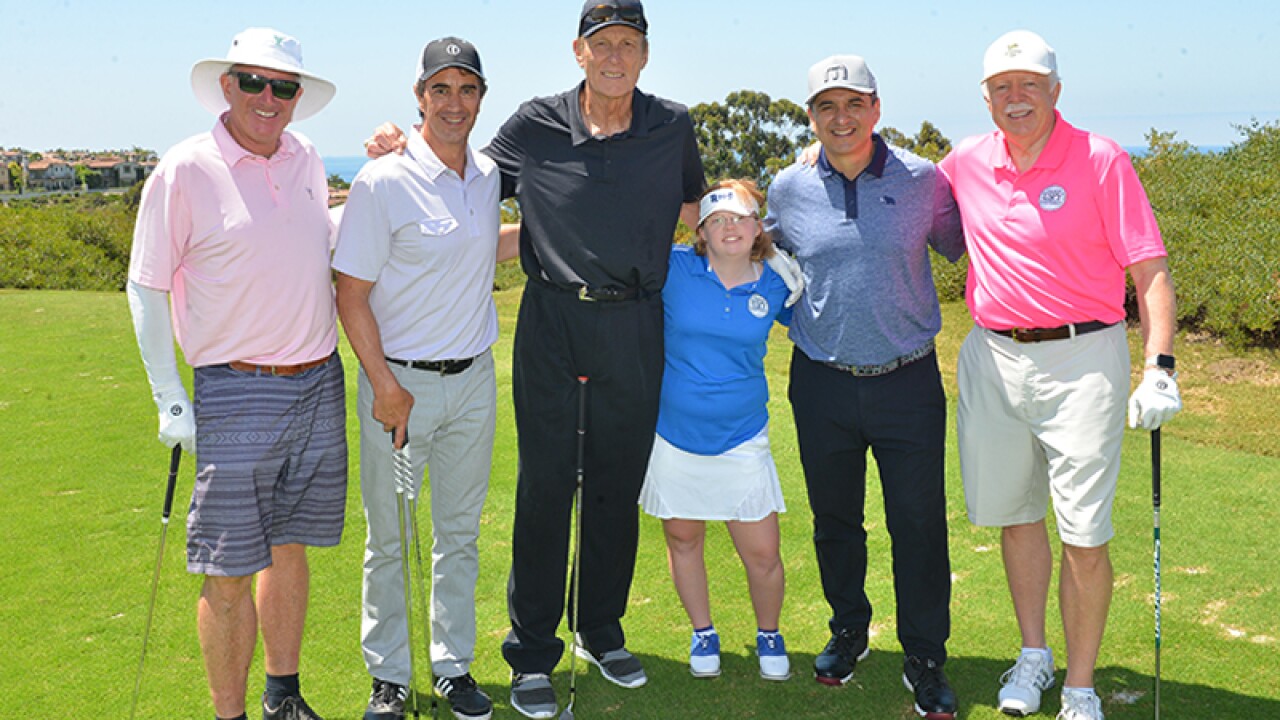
241, 716
280, 687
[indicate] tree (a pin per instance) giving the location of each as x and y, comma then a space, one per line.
337, 183
929, 143
750, 135
15, 176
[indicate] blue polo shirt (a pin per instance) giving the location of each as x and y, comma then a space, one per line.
714, 393
863, 246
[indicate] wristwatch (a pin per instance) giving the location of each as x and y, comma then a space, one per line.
1163, 362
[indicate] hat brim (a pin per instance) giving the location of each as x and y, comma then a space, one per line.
610, 23
839, 86
316, 91
1035, 68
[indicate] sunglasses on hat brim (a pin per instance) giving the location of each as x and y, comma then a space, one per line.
601, 14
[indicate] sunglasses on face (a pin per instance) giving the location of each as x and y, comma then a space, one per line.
252, 84
606, 13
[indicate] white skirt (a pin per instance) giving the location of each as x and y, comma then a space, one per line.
738, 484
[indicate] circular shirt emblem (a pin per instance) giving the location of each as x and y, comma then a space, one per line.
757, 305
1053, 198
453, 49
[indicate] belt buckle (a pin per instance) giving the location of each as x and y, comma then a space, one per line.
584, 294
1016, 334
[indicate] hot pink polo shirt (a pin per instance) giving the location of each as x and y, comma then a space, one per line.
242, 242
1050, 246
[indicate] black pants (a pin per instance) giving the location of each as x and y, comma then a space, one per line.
901, 417
619, 347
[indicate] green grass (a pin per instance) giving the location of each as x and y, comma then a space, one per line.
82, 477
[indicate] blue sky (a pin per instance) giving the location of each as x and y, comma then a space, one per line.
96, 74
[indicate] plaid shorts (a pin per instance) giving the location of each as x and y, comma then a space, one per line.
271, 459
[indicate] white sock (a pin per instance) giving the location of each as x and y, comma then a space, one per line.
1043, 651
1079, 691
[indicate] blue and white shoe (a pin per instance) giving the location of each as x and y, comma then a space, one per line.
772, 649
704, 654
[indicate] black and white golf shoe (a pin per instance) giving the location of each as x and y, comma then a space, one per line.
386, 701
935, 700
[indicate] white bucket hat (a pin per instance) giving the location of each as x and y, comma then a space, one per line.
266, 48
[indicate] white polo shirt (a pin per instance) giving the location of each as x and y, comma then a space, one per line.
428, 240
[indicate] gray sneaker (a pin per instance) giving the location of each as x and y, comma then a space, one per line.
291, 708
1080, 706
618, 666
532, 695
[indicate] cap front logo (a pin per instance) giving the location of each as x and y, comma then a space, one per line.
453, 49
1053, 198
837, 72
279, 40
1014, 50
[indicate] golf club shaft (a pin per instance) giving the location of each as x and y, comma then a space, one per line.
175, 458
403, 472
577, 547
1155, 506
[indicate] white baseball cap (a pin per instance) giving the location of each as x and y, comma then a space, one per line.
1020, 50
265, 48
726, 200
840, 71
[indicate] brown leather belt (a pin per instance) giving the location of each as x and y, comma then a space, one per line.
280, 370
1035, 335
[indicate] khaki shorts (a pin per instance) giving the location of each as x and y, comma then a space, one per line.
1043, 419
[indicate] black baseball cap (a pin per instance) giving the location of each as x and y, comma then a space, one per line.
449, 52
597, 14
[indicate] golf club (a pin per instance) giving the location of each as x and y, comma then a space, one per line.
1155, 505
404, 514
174, 459
577, 547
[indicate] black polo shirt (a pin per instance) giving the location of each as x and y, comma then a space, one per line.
598, 211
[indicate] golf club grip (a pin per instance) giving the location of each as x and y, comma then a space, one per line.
1155, 467
174, 460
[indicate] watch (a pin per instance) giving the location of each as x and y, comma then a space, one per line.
1164, 362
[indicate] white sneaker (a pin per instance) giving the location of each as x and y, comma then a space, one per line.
1080, 705
772, 649
704, 654
1023, 683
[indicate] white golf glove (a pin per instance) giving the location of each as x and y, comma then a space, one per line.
177, 421
154, 329
789, 270
1155, 401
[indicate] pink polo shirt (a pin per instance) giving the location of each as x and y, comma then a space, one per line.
1050, 246
242, 242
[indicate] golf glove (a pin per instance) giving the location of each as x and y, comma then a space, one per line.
789, 270
1155, 401
177, 421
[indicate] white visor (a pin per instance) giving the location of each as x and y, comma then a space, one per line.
725, 200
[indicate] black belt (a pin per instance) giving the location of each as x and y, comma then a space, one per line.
1035, 335
597, 294
444, 367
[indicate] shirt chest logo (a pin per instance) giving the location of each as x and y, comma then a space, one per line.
757, 305
1053, 198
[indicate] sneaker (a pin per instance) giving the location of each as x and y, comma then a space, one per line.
1080, 705
772, 649
532, 695
935, 700
1022, 684
834, 665
704, 654
291, 708
467, 700
618, 666
386, 701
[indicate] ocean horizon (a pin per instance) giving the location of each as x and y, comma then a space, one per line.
346, 166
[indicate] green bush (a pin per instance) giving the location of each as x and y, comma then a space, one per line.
65, 244
1219, 214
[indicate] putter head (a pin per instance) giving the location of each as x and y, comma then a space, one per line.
567, 713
